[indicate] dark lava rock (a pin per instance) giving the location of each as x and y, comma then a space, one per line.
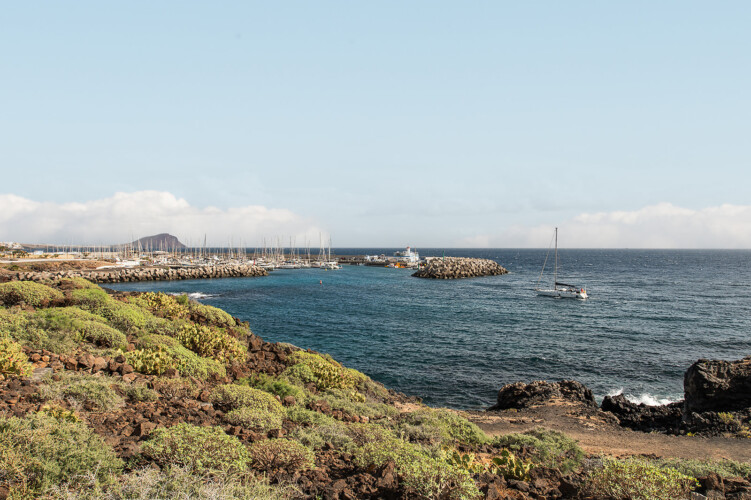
716, 385
520, 395
641, 417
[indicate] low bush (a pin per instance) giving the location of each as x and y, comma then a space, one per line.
211, 342
39, 451
323, 371
29, 293
88, 391
59, 413
334, 433
139, 392
203, 449
187, 363
209, 315
176, 387
272, 454
429, 477
161, 304
13, 361
701, 468
274, 385
153, 361
547, 447
92, 298
253, 418
182, 482
77, 283
102, 335
448, 426
233, 396
353, 403
303, 416
126, 317
636, 479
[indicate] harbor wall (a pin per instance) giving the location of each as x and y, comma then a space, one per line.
133, 274
459, 267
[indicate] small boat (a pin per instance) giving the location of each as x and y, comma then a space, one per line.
559, 290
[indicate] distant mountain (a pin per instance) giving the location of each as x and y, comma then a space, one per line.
162, 241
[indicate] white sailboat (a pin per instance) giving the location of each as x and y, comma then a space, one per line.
559, 290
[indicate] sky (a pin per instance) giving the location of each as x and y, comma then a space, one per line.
426, 123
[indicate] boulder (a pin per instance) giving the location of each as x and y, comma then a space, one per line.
520, 395
716, 385
641, 417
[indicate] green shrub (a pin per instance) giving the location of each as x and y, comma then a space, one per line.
253, 418
182, 482
334, 433
274, 385
303, 416
29, 293
211, 342
13, 361
93, 299
102, 335
447, 425
210, 315
429, 477
59, 413
24, 327
323, 371
273, 454
636, 479
547, 447
510, 466
92, 392
161, 304
233, 396
154, 361
78, 283
176, 387
353, 403
701, 468
204, 449
39, 451
139, 392
188, 363
126, 317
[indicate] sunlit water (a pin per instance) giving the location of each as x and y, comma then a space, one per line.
456, 342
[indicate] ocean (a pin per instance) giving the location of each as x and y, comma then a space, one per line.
454, 343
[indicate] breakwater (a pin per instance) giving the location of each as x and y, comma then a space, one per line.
459, 267
134, 274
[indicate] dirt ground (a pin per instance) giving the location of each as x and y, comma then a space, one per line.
599, 433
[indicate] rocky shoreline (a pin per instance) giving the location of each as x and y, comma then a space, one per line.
459, 267
132, 274
717, 401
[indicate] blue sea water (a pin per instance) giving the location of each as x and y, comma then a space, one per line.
651, 313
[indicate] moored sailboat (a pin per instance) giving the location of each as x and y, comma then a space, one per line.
559, 290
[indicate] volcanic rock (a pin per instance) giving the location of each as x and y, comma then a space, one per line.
641, 417
716, 385
520, 395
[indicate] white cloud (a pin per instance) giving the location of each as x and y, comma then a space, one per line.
656, 226
124, 216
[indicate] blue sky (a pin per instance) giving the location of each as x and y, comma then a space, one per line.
383, 124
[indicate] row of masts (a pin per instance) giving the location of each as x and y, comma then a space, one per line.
273, 250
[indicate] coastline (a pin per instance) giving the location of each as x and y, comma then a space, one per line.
351, 437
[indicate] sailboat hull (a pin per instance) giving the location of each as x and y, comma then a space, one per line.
563, 294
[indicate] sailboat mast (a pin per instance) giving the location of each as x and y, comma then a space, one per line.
555, 267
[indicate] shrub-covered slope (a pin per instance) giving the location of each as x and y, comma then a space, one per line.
150, 395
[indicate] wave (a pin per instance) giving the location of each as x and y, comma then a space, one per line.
196, 295
644, 398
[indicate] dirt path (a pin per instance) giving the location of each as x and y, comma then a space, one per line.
598, 433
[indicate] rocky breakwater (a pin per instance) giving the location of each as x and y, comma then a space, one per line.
459, 267
130, 274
